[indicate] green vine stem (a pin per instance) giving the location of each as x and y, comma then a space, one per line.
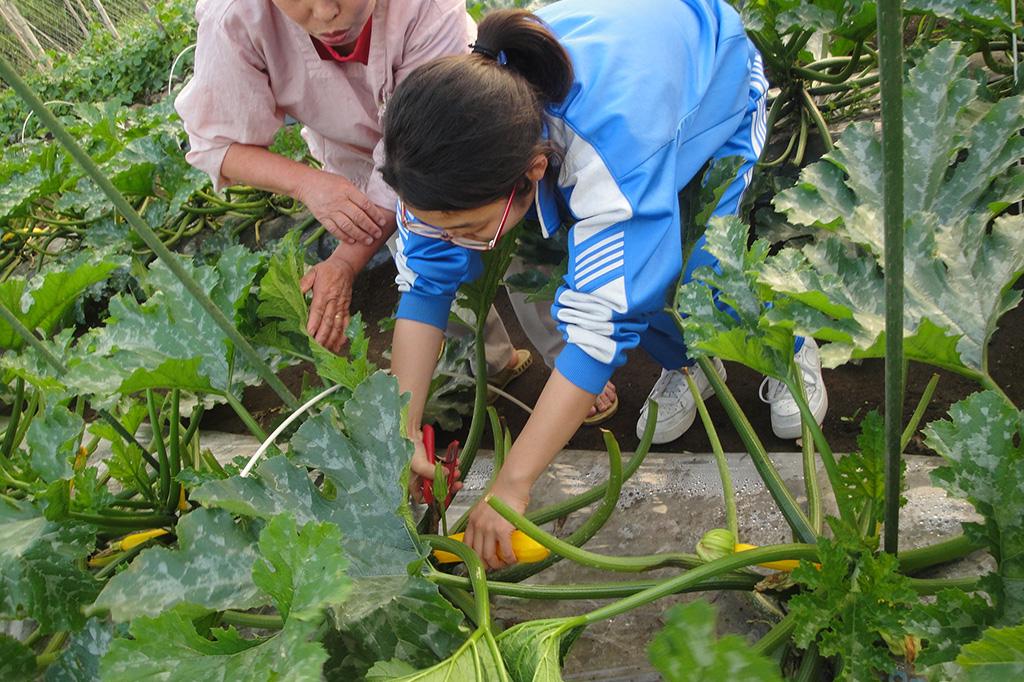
811, 73
174, 435
616, 589
158, 440
124, 521
794, 516
814, 506
711, 569
463, 601
12, 424
246, 416
8, 73
801, 144
54, 362
922, 405
818, 119
583, 557
914, 560
890, 62
240, 619
930, 586
728, 493
475, 569
566, 507
777, 636
588, 528
795, 384
476, 425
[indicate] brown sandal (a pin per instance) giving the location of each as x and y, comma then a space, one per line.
604, 415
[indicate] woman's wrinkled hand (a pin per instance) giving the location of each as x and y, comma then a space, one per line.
331, 283
342, 209
488, 533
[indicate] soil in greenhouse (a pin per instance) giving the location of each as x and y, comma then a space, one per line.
853, 390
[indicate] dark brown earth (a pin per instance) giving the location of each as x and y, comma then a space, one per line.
853, 390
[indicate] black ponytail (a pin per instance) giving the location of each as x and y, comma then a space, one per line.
529, 49
461, 131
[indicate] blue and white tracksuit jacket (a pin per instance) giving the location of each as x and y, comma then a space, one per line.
660, 87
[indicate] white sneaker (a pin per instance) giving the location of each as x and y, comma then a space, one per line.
676, 406
785, 413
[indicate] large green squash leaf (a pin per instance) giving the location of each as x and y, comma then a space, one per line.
477, 660
302, 569
41, 302
853, 602
745, 335
168, 341
388, 617
210, 571
169, 648
80, 661
52, 440
984, 453
364, 454
39, 573
534, 651
997, 656
959, 175
686, 650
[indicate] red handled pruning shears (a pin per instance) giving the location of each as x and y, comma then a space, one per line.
450, 462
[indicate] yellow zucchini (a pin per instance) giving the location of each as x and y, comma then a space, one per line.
527, 551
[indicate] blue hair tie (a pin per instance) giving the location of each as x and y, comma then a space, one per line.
498, 56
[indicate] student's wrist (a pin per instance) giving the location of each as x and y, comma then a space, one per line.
512, 487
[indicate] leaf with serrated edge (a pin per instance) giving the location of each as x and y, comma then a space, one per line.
303, 570
39, 573
210, 571
477, 660
747, 334
534, 651
387, 617
984, 453
854, 598
17, 661
169, 341
52, 440
41, 302
686, 650
364, 454
954, 618
80, 661
168, 648
959, 273
997, 656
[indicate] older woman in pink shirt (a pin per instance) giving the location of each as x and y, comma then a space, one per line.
331, 65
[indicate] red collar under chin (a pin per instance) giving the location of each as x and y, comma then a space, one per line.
360, 53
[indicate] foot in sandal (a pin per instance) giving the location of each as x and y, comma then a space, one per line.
605, 406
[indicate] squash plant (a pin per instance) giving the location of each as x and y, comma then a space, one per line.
312, 566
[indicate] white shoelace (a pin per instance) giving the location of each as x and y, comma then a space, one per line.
671, 384
777, 390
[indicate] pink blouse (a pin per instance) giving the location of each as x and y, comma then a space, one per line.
253, 65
